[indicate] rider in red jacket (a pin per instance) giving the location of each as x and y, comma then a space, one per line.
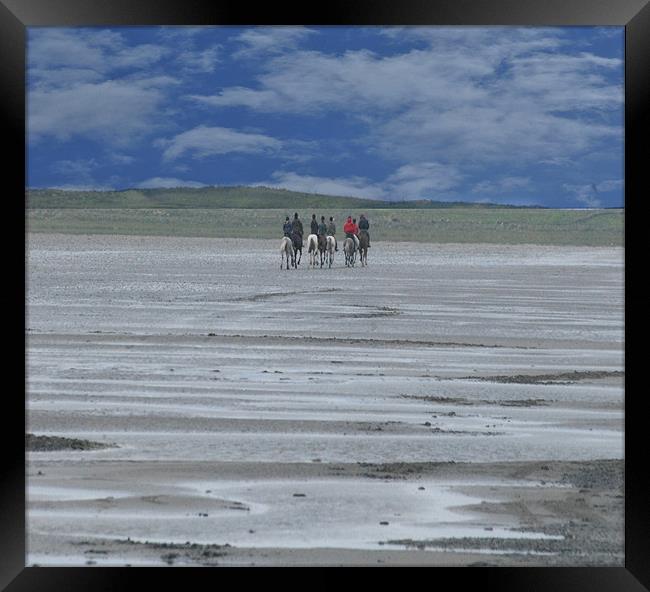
351, 229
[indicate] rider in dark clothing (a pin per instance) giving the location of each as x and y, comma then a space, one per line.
296, 231
364, 225
314, 224
331, 230
287, 228
321, 232
296, 225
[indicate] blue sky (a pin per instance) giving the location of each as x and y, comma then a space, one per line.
520, 115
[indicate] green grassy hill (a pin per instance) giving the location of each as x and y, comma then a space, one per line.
218, 197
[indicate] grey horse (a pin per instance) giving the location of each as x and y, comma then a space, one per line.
286, 252
350, 252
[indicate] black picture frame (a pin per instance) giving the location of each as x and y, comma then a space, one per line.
16, 15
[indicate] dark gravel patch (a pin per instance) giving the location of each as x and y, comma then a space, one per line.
49, 443
561, 378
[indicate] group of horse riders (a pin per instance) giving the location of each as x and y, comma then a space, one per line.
293, 229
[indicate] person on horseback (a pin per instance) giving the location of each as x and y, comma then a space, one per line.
296, 231
322, 227
287, 228
314, 224
331, 230
321, 232
351, 230
364, 225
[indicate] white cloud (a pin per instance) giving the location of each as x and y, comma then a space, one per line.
204, 60
478, 95
425, 180
560, 161
589, 194
91, 83
114, 111
421, 181
270, 40
74, 167
168, 183
121, 159
486, 134
503, 185
204, 141
309, 81
59, 48
345, 186
52, 51
81, 187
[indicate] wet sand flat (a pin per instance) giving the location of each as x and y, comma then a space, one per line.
452, 404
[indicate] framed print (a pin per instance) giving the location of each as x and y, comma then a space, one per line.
338, 287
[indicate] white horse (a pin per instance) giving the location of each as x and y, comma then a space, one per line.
350, 252
312, 249
286, 252
329, 250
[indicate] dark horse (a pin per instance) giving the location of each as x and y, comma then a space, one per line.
296, 239
364, 240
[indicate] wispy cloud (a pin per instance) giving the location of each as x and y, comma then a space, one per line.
591, 194
202, 60
115, 111
502, 185
168, 183
346, 186
94, 84
422, 181
100, 51
265, 41
204, 141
